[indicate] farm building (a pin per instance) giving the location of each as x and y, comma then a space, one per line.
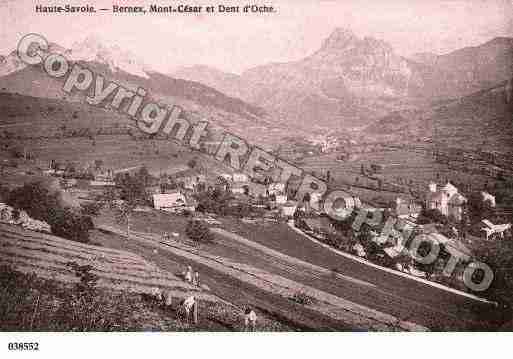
170, 201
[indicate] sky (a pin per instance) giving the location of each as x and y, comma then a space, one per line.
236, 42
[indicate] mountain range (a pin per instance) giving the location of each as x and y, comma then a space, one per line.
198, 100
350, 80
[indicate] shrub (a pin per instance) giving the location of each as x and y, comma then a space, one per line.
30, 303
90, 209
199, 232
192, 163
432, 215
65, 223
302, 298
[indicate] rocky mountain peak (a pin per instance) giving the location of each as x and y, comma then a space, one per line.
340, 38
93, 49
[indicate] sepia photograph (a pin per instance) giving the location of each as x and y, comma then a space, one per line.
260, 168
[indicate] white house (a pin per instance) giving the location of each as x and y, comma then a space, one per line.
315, 198
240, 177
101, 183
256, 190
169, 201
281, 199
276, 188
488, 197
226, 176
495, 228
446, 200
239, 188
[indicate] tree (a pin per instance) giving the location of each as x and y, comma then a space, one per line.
133, 188
192, 163
41, 204
90, 209
430, 216
143, 176
65, 223
199, 232
477, 208
123, 209
35, 199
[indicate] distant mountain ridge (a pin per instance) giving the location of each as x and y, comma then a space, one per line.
350, 80
467, 70
481, 120
92, 49
124, 68
346, 80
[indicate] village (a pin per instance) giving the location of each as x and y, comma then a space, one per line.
168, 171
457, 221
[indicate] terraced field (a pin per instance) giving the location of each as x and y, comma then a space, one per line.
48, 256
120, 271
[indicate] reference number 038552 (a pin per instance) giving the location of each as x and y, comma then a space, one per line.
23, 346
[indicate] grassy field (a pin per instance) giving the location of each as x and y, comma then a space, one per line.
399, 167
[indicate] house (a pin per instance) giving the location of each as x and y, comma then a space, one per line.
407, 210
315, 198
281, 199
393, 237
191, 182
455, 206
360, 251
228, 177
240, 188
256, 190
222, 183
104, 175
102, 183
188, 179
276, 188
495, 228
447, 200
169, 201
288, 209
392, 252
240, 177
68, 183
488, 197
